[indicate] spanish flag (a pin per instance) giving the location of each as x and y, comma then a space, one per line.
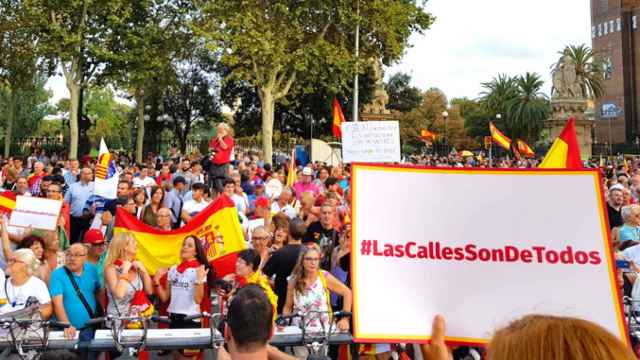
427, 135
524, 149
292, 176
7, 202
564, 152
217, 226
338, 119
499, 138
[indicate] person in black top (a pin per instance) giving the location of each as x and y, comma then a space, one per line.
324, 234
282, 262
614, 203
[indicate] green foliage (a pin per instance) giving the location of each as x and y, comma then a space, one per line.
402, 96
589, 69
30, 108
109, 118
476, 117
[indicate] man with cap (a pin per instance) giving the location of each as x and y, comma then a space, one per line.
305, 184
174, 200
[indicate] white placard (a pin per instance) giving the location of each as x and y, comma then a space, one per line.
482, 248
371, 141
39, 213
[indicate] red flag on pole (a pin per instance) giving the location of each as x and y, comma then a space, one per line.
338, 119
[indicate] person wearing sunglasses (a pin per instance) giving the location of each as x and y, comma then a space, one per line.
22, 287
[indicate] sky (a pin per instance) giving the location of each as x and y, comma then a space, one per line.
472, 41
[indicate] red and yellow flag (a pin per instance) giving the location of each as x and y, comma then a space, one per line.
338, 119
564, 152
499, 137
427, 135
7, 202
217, 226
524, 149
292, 176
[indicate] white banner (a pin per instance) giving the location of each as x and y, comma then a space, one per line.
38, 213
371, 141
482, 248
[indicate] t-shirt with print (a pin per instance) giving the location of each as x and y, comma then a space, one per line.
17, 295
183, 287
193, 207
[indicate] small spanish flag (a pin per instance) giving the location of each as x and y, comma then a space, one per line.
564, 152
427, 135
338, 119
499, 137
7, 202
292, 176
524, 149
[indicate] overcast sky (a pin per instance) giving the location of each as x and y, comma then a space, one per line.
472, 41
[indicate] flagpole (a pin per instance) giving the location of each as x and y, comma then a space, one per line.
490, 154
355, 80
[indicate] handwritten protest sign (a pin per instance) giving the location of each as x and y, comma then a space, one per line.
371, 141
38, 213
482, 248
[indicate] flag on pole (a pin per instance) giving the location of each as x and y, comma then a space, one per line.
292, 176
427, 135
7, 202
106, 182
338, 119
564, 152
524, 149
499, 138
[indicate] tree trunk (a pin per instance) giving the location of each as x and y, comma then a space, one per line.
11, 115
140, 132
268, 107
74, 94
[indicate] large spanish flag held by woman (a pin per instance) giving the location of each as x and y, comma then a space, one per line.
565, 151
218, 226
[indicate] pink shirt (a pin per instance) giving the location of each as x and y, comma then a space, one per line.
301, 187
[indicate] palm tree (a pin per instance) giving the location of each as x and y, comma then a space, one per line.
498, 92
589, 69
527, 111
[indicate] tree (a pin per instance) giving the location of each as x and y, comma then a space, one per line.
192, 100
497, 93
110, 119
402, 96
282, 46
589, 69
529, 109
76, 34
143, 59
19, 63
476, 117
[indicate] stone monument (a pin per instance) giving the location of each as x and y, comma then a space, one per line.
377, 108
567, 100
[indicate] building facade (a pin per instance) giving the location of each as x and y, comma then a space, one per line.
614, 38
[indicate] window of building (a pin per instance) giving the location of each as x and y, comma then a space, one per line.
634, 21
604, 6
599, 29
611, 27
618, 24
605, 30
593, 32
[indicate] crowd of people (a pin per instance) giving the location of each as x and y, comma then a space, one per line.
298, 238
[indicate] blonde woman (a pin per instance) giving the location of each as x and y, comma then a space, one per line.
310, 287
124, 275
221, 148
22, 284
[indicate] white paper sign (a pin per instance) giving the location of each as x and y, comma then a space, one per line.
482, 248
371, 141
39, 213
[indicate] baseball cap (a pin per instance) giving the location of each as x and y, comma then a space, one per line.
307, 171
93, 236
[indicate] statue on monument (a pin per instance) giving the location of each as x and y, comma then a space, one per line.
380, 97
566, 82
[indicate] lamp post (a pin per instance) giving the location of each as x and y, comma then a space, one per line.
445, 115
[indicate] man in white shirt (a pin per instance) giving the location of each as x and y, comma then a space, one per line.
283, 204
144, 181
197, 203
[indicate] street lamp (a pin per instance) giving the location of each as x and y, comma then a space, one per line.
445, 115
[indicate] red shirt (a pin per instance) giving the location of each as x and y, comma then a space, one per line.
222, 156
160, 178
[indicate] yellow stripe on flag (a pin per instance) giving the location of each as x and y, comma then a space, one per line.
556, 158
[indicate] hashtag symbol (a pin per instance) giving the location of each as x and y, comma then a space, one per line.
365, 247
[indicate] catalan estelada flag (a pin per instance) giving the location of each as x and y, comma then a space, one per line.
7, 202
524, 149
499, 138
564, 152
338, 119
217, 226
106, 182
